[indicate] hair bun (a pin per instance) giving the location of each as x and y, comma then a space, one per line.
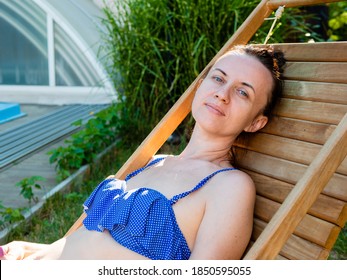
279, 59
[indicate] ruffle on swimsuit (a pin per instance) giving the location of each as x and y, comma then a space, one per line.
142, 219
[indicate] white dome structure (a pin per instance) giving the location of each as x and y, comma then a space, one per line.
49, 53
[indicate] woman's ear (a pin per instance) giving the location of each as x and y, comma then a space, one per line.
257, 124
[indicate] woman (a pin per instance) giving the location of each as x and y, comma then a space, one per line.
192, 206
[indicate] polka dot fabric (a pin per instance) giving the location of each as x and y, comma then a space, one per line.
142, 219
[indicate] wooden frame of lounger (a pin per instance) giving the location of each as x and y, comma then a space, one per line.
300, 199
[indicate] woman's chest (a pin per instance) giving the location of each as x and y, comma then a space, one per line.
185, 184
169, 180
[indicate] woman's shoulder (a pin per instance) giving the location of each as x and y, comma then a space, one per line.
228, 216
234, 184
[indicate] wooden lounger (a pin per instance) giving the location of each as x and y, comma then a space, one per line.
298, 161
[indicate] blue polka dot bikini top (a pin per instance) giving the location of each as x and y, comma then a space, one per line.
142, 219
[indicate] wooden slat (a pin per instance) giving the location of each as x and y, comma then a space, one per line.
290, 172
316, 91
329, 72
271, 188
325, 207
295, 150
337, 187
281, 258
273, 167
310, 228
295, 247
313, 132
321, 52
311, 111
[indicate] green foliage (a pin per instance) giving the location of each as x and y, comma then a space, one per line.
295, 25
83, 146
51, 222
74, 197
9, 215
339, 251
27, 185
338, 21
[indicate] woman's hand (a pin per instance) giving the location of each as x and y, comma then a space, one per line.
19, 250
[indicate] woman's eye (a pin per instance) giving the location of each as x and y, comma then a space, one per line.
243, 93
218, 79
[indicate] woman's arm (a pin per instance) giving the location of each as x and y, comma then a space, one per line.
19, 250
226, 227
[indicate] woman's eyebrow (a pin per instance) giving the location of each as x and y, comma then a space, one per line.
248, 85
220, 70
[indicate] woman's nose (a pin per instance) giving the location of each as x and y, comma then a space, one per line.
222, 95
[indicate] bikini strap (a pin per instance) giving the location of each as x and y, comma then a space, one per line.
177, 197
137, 171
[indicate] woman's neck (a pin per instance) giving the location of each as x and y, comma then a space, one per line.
207, 147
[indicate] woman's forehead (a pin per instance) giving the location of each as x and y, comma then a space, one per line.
236, 56
241, 63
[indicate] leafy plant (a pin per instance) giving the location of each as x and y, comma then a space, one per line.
295, 25
83, 146
74, 197
9, 215
338, 21
27, 185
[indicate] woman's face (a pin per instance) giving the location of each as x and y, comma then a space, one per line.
233, 95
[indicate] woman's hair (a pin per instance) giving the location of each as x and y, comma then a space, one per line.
274, 61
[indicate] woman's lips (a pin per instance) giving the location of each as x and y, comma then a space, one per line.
215, 109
